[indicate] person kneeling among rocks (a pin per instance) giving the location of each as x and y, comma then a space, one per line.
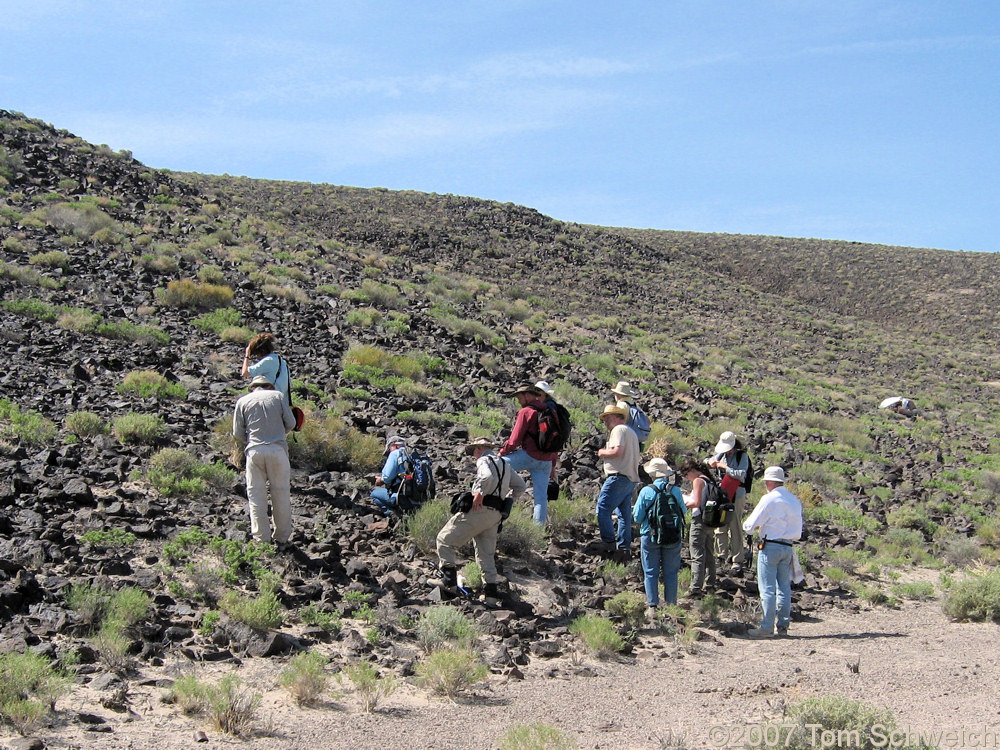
480, 521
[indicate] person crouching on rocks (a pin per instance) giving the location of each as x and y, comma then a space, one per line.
621, 469
261, 420
479, 522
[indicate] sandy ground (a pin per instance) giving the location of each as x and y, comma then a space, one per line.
934, 675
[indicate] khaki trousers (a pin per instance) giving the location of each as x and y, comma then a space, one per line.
477, 526
268, 468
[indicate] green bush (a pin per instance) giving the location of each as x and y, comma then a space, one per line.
450, 672
108, 538
232, 706
195, 295
27, 276
88, 601
175, 472
33, 308
138, 429
124, 330
369, 686
29, 687
629, 605
305, 677
422, 526
831, 719
311, 614
520, 535
536, 737
598, 635
150, 384
445, 626
190, 695
86, 424
326, 441
79, 320
29, 427
50, 259
473, 575
977, 598
262, 611
218, 320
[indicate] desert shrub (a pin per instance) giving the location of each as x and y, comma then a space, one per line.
83, 220
210, 274
138, 429
988, 532
184, 543
326, 441
669, 443
150, 384
536, 737
629, 605
370, 687
598, 635
88, 601
520, 535
29, 687
195, 295
363, 317
129, 606
27, 276
124, 330
311, 614
115, 538
305, 677
232, 706
379, 360
451, 672
445, 626
50, 259
835, 575
568, 512
176, 472
611, 571
79, 320
977, 598
836, 720
86, 424
190, 695
917, 590
33, 308
422, 526
225, 323
29, 427
911, 517
473, 575
262, 611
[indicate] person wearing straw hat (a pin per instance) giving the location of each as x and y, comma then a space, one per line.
732, 462
261, 420
778, 521
494, 489
637, 419
621, 464
522, 452
661, 560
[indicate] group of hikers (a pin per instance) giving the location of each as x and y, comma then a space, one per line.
711, 513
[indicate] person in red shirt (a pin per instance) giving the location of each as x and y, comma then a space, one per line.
521, 449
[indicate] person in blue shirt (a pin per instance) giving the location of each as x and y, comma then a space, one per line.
659, 561
261, 359
387, 483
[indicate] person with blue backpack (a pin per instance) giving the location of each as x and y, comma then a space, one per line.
637, 419
659, 510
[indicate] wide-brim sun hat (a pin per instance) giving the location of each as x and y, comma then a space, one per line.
543, 385
394, 440
774, 474
614, 409
261, 381
479, 443
727, 441
624, 389
528, 388
657, 468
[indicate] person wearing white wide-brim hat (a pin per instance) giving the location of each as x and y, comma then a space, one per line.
732, 462
660, 504
777, 519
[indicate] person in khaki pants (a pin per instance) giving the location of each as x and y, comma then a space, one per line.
494, 480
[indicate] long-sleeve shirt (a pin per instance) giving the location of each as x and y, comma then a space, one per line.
736, 469
489, 469
272, 368
262, 417
778, 515
393, 467
525, 433
647, 496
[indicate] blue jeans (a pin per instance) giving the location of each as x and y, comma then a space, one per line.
540, 472
385, 502
660, 561
616, 494
774, 581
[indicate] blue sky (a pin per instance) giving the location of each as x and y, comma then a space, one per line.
865, 120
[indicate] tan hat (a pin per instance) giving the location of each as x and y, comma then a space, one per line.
727, 441
261, 381
479, 443
774, 474
528, 388
658, 467
393, 440
615, 409
624, 389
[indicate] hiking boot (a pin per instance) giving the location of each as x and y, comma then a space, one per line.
696, 594
622, 555
736, 570
782, 632
491, 596
447, 580
760, 633
651, 613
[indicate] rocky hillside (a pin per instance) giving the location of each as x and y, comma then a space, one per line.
129, 293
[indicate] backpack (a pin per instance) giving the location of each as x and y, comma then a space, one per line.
666, 520
715, 505
416, 482
639, 422
553, 427
300, 416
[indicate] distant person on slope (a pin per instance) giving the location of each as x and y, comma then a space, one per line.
778, 521
522, 452
733, 465
261, 359
261, 420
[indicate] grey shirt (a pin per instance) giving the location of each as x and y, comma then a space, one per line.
262, 417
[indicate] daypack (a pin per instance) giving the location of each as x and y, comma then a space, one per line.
639, 422
300, 416
554, 427
715, 505
729, 484
416, 481
665, 518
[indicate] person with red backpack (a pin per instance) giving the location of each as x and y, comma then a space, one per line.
522, 450
732, 463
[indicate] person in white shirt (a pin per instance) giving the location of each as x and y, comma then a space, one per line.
777, 519
495, 480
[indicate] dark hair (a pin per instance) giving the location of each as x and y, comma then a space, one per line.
261, 345
693, 464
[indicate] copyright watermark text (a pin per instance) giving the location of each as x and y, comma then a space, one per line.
877, 736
